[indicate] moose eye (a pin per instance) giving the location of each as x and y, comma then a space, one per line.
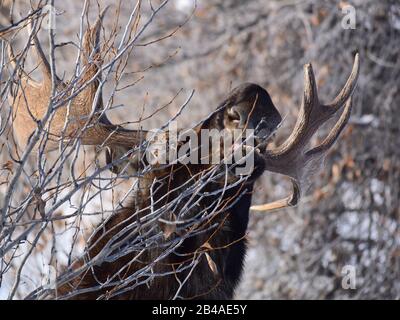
233, 115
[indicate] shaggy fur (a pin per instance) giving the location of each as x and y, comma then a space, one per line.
214, 277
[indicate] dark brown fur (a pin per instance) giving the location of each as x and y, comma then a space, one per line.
225, 244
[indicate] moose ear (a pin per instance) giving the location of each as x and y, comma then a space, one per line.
121, 160
110, 156
214, 120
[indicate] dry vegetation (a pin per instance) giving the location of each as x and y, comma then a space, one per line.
351, 213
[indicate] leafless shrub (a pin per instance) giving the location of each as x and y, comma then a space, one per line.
50, 204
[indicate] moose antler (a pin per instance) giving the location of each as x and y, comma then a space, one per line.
292, 158
32, 99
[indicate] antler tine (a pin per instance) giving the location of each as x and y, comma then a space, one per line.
310, 96
103, 132
289, 201
348, 88
310, 103
96, 27
90, 57
292, 158
334, 133
44, 63
11, 57
13, 61
91, 38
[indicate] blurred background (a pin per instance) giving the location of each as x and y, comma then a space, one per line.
350, 214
